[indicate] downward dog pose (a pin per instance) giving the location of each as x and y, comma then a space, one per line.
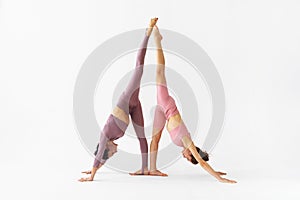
128, 104
167, 111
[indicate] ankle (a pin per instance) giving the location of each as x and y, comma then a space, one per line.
149, 31
158, 44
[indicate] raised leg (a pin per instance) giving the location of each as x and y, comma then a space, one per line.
160, 68
162, 100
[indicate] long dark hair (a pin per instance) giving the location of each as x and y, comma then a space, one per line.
105, 154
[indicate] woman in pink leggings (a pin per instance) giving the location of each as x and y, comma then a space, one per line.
128, 104
166, 111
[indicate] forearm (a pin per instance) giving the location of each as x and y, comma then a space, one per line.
99, 156
190, 145
94, 170
204, 164
209, 169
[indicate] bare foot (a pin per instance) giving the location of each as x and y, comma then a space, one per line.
151, 25
157, 173
156, 33
139, 172
153, 22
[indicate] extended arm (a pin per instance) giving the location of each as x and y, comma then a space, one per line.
188, 143
98, 162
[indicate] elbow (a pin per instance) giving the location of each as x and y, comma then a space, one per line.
139, 62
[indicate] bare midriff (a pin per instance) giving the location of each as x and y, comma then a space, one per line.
173, 122
120, 114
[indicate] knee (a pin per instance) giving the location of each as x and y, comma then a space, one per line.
155, 139
140, 64
154, 143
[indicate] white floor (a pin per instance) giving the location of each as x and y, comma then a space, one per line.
22, 183
254, 45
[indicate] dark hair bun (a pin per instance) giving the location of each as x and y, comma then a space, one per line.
203, 155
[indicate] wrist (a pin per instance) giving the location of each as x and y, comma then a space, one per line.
219, 178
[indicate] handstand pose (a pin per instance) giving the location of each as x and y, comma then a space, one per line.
167, 111
128, 104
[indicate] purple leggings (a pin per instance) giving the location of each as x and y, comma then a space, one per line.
130, 103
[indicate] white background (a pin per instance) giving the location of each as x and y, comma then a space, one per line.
255, 46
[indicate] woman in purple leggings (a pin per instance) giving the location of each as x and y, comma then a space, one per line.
166, 111
128, 104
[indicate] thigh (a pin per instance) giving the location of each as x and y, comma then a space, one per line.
120, 114
123, 103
